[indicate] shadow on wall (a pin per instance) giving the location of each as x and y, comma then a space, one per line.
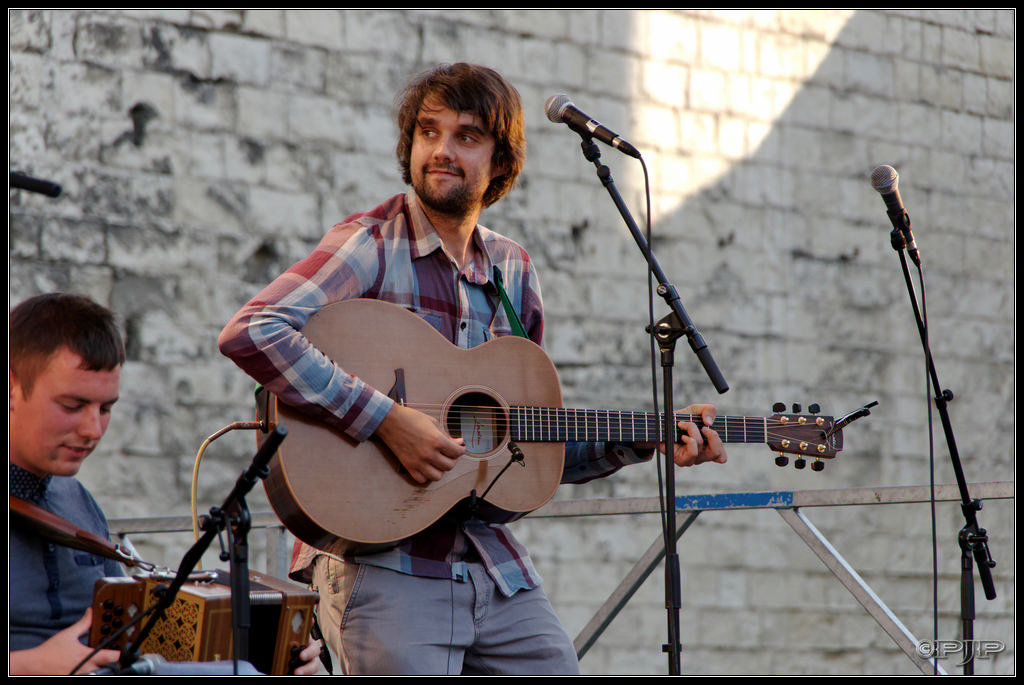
779, 245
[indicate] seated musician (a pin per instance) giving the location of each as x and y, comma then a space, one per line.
65, 361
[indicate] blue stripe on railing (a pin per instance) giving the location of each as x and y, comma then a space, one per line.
742, 500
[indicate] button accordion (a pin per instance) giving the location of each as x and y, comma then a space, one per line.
197, 627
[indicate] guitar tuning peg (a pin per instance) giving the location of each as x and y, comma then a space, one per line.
781, 460
818, 465
800, 463
797, 408
814, 408
778, 407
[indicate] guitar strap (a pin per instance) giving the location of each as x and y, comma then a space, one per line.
510, 312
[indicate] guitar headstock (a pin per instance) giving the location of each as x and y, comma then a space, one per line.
807, 436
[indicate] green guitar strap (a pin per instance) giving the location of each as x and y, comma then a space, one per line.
510, 312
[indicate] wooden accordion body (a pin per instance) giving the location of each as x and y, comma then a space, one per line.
198, 628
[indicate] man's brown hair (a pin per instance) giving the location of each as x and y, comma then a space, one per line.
477, 90
43, 324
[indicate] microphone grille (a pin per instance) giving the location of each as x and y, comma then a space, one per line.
555, 106
884, 178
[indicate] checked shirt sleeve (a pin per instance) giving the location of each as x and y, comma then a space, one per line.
264, 338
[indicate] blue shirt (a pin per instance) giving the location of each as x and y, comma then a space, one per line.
51, 586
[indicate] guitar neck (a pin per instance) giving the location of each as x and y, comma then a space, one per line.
540, 424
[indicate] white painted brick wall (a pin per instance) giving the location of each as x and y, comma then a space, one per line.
759, 128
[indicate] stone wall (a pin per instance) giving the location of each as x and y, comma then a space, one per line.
200, 153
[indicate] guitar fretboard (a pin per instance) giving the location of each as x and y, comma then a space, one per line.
543, 424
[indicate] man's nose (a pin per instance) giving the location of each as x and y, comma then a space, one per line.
92, 424
443, 147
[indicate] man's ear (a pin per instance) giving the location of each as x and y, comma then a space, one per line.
14, 386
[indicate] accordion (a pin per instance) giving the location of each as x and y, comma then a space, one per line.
197, 627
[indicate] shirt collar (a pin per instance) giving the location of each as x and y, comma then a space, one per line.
27, 485
424, 241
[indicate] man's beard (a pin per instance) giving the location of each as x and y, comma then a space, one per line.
457, 201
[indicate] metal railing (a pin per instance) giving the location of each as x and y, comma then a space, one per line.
278, 539
787, 503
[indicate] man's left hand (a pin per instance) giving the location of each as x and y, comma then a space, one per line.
698, 443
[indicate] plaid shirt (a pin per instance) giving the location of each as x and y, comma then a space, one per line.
392, 253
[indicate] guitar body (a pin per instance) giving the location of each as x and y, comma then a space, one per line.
330, 490
327, 488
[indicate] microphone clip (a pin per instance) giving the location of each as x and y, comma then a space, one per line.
901, 236
898, 237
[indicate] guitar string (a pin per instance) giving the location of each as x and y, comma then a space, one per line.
646, 424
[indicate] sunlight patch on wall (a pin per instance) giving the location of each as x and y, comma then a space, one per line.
711, 84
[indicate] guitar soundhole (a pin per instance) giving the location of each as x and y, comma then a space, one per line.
480, 420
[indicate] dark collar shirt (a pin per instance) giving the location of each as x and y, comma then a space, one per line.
51, 586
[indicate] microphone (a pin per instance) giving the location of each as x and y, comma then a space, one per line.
149, 664
154, 664
35, 185
885, 180
560, 110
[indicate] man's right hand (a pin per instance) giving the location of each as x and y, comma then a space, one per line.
419, 443
63, 652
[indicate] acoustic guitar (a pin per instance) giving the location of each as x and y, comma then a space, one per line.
503, 398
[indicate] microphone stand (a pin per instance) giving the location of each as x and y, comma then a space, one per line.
678, 323
667, 331
973, 540
232, 516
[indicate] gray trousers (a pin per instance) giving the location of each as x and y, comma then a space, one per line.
380, 622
